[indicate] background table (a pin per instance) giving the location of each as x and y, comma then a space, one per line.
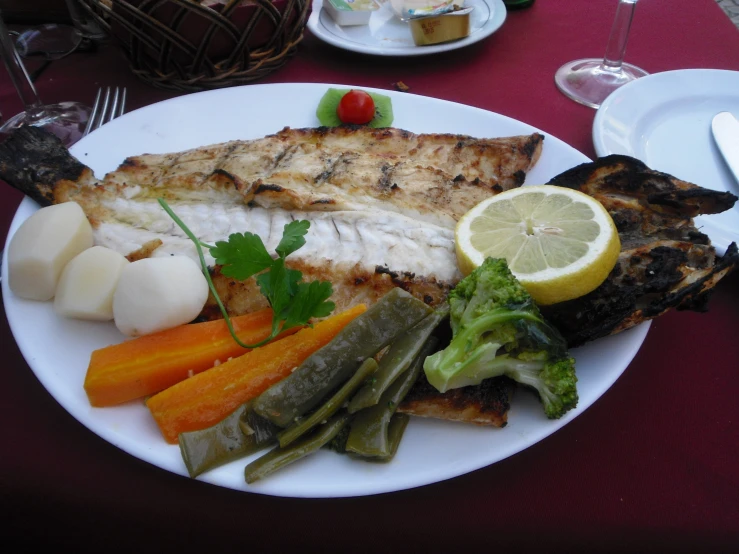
652, 466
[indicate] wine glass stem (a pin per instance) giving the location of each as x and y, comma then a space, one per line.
17, 71
616, 49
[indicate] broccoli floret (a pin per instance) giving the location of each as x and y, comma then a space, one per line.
555, 382
497, 329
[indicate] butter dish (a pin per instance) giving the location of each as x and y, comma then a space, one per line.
438, 28
350, 12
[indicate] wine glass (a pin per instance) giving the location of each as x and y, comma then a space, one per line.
67, 120
590, 81
85, 22
47, 42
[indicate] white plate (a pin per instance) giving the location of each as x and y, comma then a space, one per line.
58, 350
664, 120
386, 35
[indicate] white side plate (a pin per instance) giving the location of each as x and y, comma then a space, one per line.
664, 120
386, 35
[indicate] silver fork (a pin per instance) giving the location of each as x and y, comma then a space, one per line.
105, 108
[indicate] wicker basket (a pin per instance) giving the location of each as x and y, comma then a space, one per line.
191, 45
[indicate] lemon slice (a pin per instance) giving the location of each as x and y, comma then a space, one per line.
560, 243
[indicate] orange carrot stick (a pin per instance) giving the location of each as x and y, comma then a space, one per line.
151, 363
207, 398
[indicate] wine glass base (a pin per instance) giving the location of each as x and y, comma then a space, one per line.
67, 120
589, 81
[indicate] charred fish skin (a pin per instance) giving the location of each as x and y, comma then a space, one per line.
34, 161
618, 175
486, 404
665, 262
635, 292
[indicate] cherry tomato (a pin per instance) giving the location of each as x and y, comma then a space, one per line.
356, 106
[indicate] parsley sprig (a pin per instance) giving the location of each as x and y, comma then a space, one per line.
293, 301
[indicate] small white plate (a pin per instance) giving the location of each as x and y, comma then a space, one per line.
665, 120
386, 35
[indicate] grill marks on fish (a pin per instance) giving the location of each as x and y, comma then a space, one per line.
665, 262
356, 183
490, 160
393, 170
434, 178
313, 155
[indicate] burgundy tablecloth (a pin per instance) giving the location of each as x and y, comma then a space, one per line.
651, 466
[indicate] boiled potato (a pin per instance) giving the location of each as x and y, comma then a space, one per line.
86, 285
43, 245
154, 294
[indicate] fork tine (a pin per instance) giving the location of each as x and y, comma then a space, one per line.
113, 105
123, 103
95, 108
106, 101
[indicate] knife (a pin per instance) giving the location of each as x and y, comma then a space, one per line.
726, 132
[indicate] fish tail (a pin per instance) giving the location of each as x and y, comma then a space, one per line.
34, 161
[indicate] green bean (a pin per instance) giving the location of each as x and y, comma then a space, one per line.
330, 407
369, 428
221, 443
395, 431
278, 458
397, 359
328, 368
263, 430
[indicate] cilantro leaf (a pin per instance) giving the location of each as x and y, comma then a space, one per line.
311, 300
293, 237
242, 256
279, 285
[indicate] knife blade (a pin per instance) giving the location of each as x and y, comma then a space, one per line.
725, 129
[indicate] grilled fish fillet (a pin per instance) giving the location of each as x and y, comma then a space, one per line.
382, 203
